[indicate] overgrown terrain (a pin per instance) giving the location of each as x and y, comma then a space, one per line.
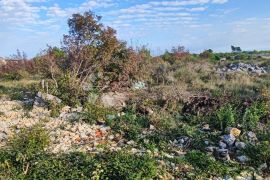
96, 109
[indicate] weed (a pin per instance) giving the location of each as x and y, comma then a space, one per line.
258, 153
130, 123
207, 166
122, 165
226, 117
94, 113
253, 115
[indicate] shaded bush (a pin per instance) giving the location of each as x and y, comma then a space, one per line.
130, 123
259, 153
207, 166
253, 115
125, 166
94, 113
15, 69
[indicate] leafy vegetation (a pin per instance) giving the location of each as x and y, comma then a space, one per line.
26, 158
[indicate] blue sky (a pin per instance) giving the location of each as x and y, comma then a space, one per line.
29, 25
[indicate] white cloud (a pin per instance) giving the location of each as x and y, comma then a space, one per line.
220, 1
41, 18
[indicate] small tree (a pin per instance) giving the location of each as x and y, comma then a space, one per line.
92, 56
207, 54
236, 49
94, 52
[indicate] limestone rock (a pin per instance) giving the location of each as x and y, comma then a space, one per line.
114, 100
242, 159
240, 145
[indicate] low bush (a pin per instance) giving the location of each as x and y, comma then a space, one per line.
253, 115
122, 165
207, 166
226, 116
130, 124
259, 153
17, 159
96, 113
30, 141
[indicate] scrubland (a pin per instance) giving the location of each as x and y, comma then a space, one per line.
95, 108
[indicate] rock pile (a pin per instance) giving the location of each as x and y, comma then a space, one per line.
229, 146
67, 132
42, 98
242, 67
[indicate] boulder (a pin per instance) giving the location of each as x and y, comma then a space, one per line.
223, 154
242, 159
65, 109
3, 136
42, 98
222, 145
182, 141
262, 167
114, 100
139, 85
251, 137
206, 128
229, 139
240, 145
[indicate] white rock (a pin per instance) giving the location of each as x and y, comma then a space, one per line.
242, 159
3, 136
240, 145
262, 167
114, 100
111, 137
152, 127
131, 142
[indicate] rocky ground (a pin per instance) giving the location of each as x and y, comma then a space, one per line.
242, 67
69, 134
65, 135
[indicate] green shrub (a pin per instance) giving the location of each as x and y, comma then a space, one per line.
122, 165
69, 91
155, 141
96, 113
226, 117
130, 123
258, 153
12, 76
24, 147
253, 114
55, 108
63, 166
117, 165
30, 141
206, 165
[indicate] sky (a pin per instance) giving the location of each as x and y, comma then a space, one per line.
31, 25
